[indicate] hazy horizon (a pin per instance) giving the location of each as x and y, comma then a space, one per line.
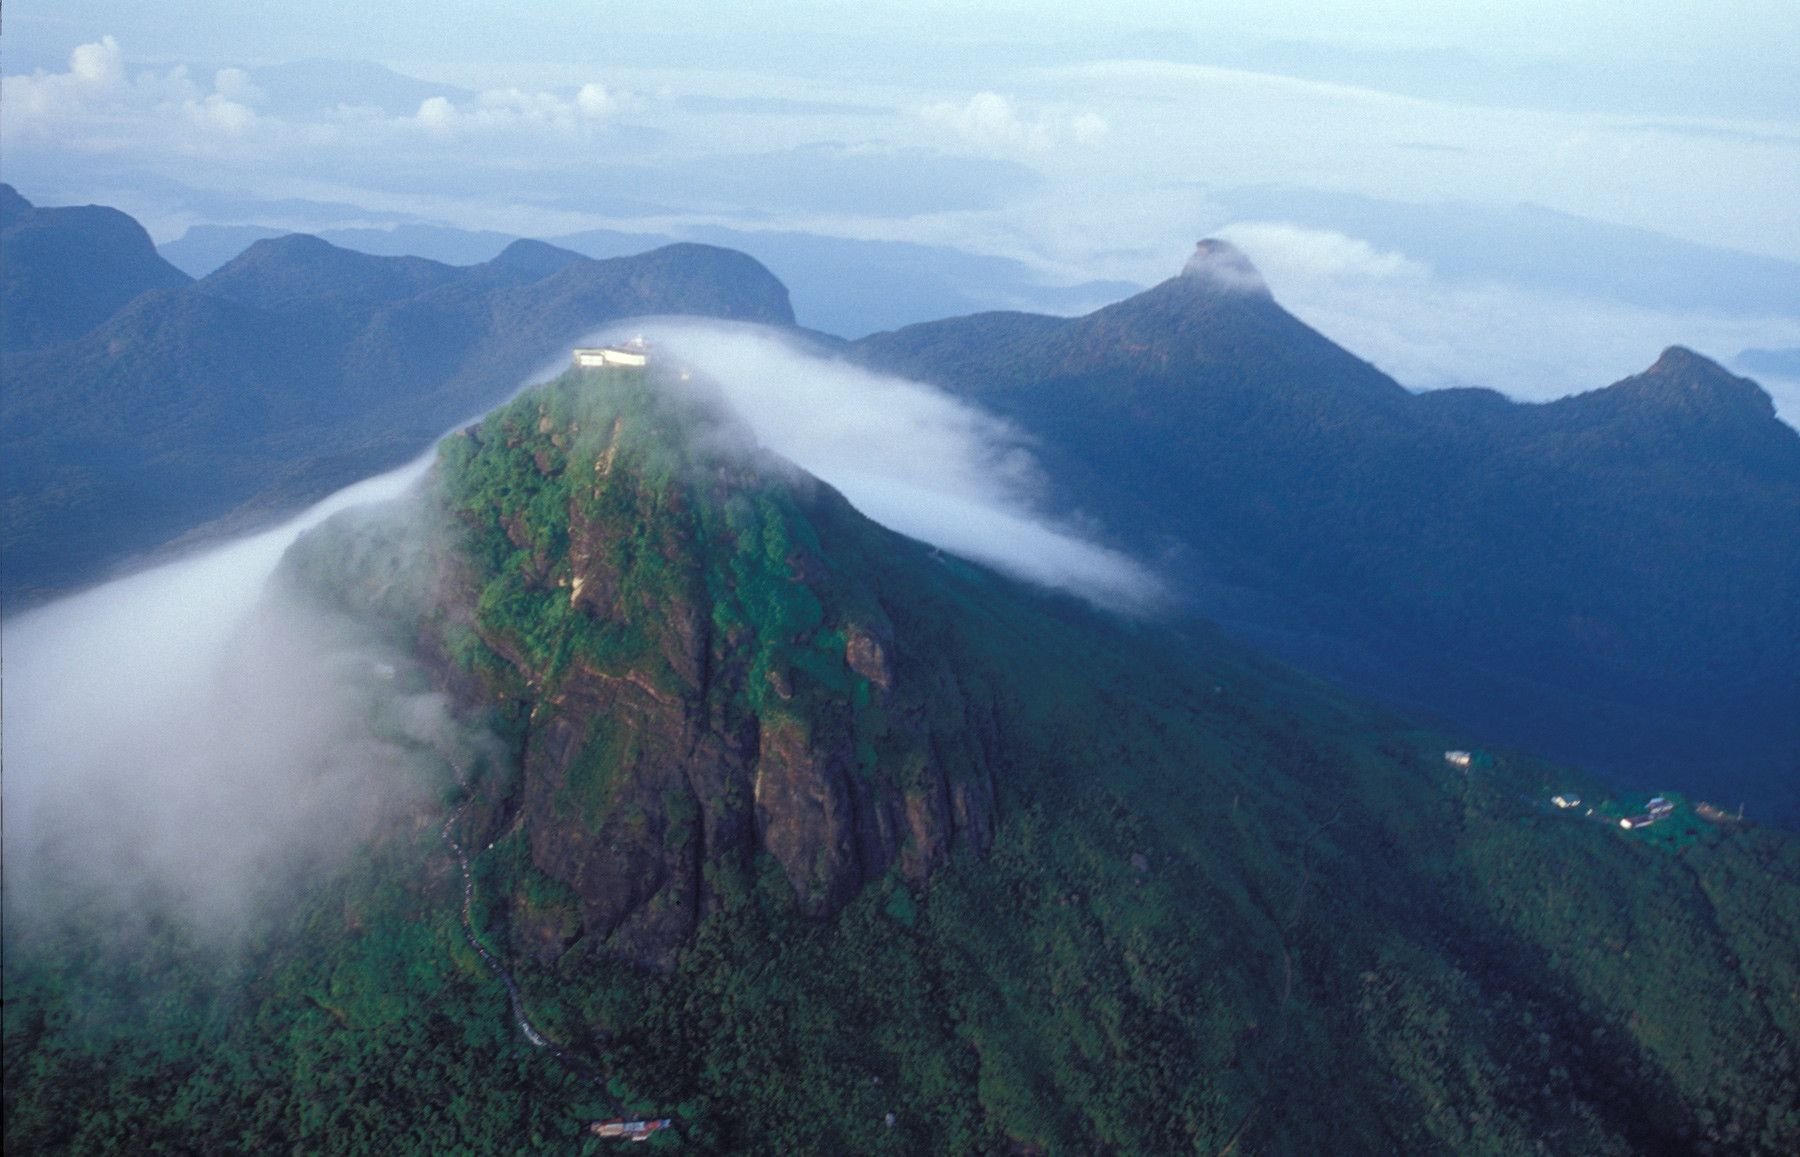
1512, 196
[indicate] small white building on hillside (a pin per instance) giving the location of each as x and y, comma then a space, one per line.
631, 354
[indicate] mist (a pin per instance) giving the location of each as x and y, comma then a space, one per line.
190, 741
907, 455
1431, 331
196, 740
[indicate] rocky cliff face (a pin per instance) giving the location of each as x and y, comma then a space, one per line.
685, 635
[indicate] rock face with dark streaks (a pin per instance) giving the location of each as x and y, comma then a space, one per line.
694, 667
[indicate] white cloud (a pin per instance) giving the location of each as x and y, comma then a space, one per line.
1312, 255
1088, 127
186, 740
96, 73
98, 102
216, 113
99, 65
437, 114
1430, 331
594, 102
143, 117
234, 84
990, 121
513, 110
907, 455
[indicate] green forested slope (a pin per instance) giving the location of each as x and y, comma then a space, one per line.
1206, 904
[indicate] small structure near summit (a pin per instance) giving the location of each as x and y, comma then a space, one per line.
1657, 809
638, 1130
633, 353
1460, 759
1712, 813
1566, 801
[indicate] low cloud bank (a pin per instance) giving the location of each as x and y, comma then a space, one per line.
1430, 331
186, 741
193, 742
907, 455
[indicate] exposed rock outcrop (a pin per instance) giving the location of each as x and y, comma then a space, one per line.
700, 673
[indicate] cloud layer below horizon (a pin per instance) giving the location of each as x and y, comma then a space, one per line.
1082, 169
1430, 332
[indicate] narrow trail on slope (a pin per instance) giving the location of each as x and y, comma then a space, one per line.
573, 1064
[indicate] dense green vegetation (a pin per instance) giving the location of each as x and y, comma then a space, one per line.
1224, 908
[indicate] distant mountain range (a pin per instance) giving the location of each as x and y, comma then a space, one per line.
838, 285
140, 405
1612, 578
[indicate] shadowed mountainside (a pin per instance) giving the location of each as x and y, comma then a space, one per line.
1612, 577
64, 271
294, 370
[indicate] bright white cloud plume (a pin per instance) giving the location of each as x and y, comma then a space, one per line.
907, 455
181, 740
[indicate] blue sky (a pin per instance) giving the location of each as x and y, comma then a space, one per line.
1086, 142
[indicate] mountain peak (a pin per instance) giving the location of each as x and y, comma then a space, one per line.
1681, 361
13, 206
1682, 379
534, 257
69, 268
297, 268
1223, 265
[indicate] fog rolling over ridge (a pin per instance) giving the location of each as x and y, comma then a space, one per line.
192, 739
906, 454
187, 740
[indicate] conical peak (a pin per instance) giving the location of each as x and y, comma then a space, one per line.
1679, 361
1222, 265
1684, 382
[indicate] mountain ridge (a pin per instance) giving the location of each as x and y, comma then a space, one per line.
292, 371
68, 269
1514, 566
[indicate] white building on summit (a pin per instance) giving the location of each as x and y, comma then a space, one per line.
632, 353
